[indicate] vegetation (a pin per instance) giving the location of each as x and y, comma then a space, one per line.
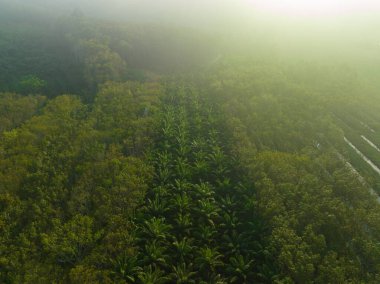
115, 170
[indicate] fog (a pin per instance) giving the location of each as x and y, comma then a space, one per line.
343, 31
213, 13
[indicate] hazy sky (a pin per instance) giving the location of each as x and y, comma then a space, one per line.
315, 8
214, 12
223, 8
291, 25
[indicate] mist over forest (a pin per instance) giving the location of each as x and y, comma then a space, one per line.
177, 141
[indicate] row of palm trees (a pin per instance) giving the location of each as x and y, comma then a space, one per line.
198, 222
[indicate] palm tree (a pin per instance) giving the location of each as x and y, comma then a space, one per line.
218, 160
203, 190
268, 272
161, 191
240, 268
182, 167
155, 253
215, 278
183, 148
163, 168
208, 210
182, 274
183, 222
201, 167
163, 159
126, 267
181, 185
230, 221
183, 247
223, 184
208, 259
163, 174
156, 206
182, 202
234, 241
228, 203
156, 228
168, 121
206, 233
152, 275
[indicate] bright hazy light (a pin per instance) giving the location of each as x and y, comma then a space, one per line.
318, 8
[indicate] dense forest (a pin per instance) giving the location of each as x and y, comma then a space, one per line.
137, 153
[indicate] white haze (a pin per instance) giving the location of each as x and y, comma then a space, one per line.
330, 29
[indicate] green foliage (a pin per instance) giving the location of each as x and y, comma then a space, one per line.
15, 109
236, 174
101, 64
31, 84
74, 190
69, 243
